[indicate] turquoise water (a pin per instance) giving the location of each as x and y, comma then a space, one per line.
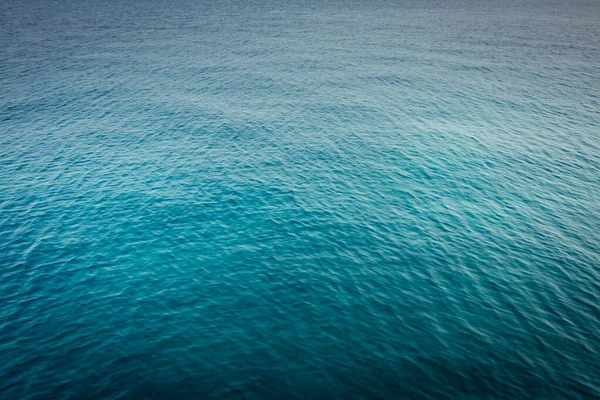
299, 199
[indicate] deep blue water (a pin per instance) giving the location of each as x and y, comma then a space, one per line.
273, 199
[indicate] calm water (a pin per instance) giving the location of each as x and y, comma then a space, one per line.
299, 200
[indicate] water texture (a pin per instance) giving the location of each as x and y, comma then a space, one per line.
269, 199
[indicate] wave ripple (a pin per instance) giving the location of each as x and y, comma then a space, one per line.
318, 200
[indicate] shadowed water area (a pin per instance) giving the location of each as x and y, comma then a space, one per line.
337, 199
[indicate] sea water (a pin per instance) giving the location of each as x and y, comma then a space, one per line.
299, 199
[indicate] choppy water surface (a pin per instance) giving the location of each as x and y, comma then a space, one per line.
302, 200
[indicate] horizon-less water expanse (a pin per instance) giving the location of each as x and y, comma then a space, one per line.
299, 199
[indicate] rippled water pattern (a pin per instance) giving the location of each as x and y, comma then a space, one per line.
299, 200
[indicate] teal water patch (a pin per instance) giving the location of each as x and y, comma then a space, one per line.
316, 200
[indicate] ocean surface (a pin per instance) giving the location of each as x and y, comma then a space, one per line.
299, 199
